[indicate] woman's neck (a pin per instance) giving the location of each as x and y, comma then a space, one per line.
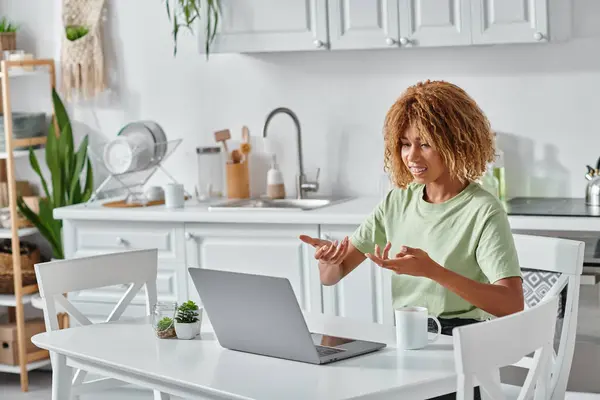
439, 192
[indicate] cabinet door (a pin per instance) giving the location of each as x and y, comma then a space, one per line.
272, 250
364, 294
434, 22
509, 21
270, 25
360, 24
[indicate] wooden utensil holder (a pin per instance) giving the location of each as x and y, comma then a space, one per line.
238, 180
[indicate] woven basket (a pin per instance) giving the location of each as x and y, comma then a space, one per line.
30, 255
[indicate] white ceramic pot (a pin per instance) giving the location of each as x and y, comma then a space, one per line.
187, 331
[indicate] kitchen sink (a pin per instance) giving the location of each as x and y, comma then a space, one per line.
275, 205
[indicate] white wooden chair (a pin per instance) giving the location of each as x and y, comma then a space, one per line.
560, 262
136, 268
481, 349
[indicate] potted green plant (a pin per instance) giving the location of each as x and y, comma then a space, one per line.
8, 35
165, 329
188, 320
75, 32
185, 13
66, 168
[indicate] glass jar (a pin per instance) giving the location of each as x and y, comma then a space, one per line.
210, 173
163, 319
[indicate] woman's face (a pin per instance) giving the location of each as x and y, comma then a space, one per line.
424, 163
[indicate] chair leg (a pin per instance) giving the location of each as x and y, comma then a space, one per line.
161, 396
78, 379
61, 378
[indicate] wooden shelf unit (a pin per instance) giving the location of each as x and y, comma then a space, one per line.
22, 294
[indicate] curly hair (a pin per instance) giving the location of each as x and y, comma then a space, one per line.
449, 120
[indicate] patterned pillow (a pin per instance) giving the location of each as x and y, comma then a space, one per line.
537, 283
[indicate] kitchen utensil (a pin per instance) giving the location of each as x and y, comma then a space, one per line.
236, 156
245, 147
592, 191
129, 153
152, 132
154, 193
223, 136
210, 173
238, 180
590, 169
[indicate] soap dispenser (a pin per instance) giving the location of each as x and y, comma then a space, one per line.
275, 185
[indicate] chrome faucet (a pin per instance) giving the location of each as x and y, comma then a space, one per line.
302, 184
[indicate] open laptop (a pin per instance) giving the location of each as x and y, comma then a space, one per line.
260, 315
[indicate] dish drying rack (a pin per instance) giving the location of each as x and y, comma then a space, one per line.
133, 181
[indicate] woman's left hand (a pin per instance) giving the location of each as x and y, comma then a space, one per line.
409, 261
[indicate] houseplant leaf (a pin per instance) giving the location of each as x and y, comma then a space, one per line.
65, 167
54, 227
36, 168
53, 162
89, 182
79, 162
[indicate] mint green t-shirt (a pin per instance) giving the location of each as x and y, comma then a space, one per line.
468, 234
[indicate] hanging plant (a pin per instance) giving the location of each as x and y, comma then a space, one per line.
184, 13
82, 57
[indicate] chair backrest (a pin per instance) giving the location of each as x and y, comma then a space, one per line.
560, 264
137, 268
481, 349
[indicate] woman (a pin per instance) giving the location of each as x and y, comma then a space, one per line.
446, 238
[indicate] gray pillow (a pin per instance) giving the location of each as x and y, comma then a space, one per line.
537, 283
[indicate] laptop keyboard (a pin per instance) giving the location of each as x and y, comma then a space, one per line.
327, 351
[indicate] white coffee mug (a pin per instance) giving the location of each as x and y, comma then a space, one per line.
174, 195
411, 328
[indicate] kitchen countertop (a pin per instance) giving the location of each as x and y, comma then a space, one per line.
551, 207
350, 212
544, 214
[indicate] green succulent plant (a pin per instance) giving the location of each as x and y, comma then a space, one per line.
66, 168
75, 32
7, 26
187, 313
164, 324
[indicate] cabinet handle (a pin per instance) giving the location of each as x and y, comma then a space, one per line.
121, 241
319, 43
189, 236
404, 41
538, 36
390, 41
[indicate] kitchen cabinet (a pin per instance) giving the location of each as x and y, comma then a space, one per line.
509, 21
360, 24
364, 294
270, 26
435, 22
300, 25
272, 250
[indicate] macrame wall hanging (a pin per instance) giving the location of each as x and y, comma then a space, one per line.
82, 59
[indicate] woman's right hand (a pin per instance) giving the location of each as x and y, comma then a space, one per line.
330, 255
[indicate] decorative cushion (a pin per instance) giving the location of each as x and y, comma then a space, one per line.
536, 284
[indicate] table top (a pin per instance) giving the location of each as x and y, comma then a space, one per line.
551, 207
203, 365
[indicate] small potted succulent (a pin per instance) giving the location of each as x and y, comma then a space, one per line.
165, 328
8, 35
188, 320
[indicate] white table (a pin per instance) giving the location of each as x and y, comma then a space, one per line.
128, 350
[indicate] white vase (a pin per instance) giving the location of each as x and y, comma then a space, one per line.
187, 331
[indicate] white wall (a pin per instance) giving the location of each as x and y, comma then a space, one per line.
544, 99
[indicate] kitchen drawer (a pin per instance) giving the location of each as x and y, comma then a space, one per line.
100, 237
166, 288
